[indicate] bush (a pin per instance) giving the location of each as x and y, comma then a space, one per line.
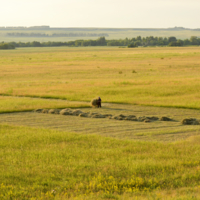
132, 45
6, 46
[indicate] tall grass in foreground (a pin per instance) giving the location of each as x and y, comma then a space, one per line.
47, 164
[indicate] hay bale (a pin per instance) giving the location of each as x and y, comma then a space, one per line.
98, 116
118, 117
153, 118
94, 102
147, 120
108, 116
45, 111
66, 111
83, 115
91, 114
76, 112
165, 119
122, 116
190, 121
54, 111
130, 118
38, 110
141, 119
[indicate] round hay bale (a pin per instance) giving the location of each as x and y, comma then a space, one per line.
94, 102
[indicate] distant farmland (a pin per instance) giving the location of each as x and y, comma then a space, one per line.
44, 34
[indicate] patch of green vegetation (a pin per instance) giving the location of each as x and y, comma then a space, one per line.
16, 104
45, 164
156, 84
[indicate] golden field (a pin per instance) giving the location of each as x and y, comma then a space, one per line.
143, 76
47, 157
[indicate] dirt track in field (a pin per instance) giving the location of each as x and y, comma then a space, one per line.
153, 131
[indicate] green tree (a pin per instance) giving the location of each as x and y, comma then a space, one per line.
172, 39
194, 40
132, 45
101, 41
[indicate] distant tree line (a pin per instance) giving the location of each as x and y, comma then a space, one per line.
6, 46
134, 42
162, 41
16, 34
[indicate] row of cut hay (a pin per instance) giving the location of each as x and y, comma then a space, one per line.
80, 113
77, 112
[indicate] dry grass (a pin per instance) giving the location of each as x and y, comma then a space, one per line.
16, 104
55, 164
82, 73
165, 131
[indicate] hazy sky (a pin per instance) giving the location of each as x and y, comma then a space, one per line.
101, 13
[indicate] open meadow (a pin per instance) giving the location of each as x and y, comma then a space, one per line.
54, 156
144, 76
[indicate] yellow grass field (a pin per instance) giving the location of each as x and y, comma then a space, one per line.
143, 76
59, 157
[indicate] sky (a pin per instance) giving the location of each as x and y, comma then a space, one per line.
101, 13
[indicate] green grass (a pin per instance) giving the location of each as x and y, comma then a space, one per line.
18, 104
81, 74
46, 164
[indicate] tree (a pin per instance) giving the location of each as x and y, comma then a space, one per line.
186, 42
132, 45
101, 41
172, 39
194, 40
6, 46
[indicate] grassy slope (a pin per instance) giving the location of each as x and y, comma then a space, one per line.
164, 76
42, 164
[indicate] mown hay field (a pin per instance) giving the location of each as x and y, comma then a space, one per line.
144, 76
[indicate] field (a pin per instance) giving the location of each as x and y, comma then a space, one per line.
143, 76
45, 156
113, 34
